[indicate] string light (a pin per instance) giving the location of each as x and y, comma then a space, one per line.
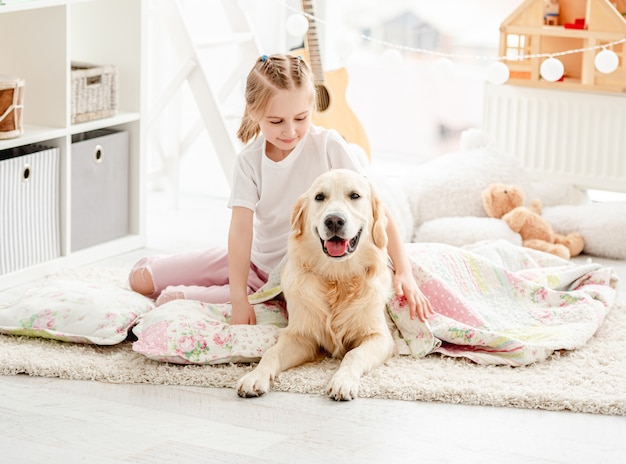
297, 25
498, 73
551, 69
392, 58
606, 61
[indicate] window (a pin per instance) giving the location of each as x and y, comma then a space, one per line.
517, 46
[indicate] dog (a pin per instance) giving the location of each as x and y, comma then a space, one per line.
336, 282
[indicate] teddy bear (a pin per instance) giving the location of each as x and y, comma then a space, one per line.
507, 202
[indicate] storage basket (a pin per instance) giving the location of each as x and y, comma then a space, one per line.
11, 106
29, 207
94, 92
100, 166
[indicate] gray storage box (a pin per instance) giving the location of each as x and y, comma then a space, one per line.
29, 207
99, 187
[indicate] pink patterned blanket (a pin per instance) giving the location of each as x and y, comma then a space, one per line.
502, 304
497, 304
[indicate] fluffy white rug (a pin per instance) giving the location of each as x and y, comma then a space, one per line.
591, 379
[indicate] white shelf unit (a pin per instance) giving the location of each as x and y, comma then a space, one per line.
41, 39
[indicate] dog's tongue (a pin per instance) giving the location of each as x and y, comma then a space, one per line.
336, 247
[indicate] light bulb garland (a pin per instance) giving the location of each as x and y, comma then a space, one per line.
606, 61
297, 25
551, 69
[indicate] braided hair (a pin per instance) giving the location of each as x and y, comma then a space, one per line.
269, 74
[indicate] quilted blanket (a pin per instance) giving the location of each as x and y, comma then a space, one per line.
496, 303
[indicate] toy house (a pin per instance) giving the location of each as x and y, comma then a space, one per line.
553, 26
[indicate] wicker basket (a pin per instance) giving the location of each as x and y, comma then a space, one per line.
94, 92
11, 106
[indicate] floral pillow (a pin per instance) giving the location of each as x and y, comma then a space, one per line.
193, 332
73, 311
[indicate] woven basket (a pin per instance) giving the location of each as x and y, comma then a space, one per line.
94, 92
11, 106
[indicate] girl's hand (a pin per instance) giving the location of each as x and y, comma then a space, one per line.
406, 288
242, 313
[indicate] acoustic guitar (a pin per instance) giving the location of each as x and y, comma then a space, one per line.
333, 111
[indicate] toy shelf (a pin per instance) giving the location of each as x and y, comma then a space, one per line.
44, 37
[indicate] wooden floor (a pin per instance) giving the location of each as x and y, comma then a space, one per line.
59, 421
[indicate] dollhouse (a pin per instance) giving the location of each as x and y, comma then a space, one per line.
553, 26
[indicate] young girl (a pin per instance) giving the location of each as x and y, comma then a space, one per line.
286, 154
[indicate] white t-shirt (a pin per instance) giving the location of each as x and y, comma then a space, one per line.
271, 188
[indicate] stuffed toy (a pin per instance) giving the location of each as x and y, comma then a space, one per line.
506, 202
439, 201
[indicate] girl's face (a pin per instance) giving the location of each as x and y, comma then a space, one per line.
286, 121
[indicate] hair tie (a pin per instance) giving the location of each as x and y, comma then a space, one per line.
263, 58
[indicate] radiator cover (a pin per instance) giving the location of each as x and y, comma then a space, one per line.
579, 137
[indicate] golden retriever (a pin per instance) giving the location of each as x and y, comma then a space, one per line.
336, 282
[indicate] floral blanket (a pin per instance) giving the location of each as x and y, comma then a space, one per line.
496, 303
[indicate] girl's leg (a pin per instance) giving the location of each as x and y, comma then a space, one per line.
151, 275
214, 293
197, 275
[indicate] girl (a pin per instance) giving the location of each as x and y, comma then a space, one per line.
286, 154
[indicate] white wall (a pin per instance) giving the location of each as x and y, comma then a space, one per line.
401, 106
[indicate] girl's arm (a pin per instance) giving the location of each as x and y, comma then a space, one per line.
403, 281
239, 246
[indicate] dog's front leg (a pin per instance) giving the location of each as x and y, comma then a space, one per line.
373, 351
290, 351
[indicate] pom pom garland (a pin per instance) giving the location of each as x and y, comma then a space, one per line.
498, 73
551, 69
606, 61
297, 25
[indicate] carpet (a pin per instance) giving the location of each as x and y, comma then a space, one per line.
591, 379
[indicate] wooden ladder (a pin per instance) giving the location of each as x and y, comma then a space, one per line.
215, 115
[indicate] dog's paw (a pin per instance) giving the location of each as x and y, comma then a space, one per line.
253, 385
343, 388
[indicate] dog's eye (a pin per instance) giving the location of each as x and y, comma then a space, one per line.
354, 196
319, 197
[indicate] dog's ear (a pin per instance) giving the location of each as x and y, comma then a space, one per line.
298, 216
379, 228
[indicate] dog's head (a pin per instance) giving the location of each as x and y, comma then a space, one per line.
340, 214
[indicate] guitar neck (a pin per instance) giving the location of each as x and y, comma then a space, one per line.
312, 42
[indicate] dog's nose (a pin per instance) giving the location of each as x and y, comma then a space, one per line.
335, 222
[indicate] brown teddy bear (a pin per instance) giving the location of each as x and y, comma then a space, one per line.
506, 202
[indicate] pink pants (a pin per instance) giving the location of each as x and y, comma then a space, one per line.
199, 275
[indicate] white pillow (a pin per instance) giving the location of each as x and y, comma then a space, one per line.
559, 192
452, 184
460, 231
73, 311
602, 225
193, 332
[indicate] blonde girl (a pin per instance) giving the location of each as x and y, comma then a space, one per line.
283, 155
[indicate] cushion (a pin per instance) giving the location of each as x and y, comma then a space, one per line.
452, 184
460, 231
602, 225
73, 311
559, 192
194, 332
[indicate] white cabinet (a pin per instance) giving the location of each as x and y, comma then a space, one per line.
40, 39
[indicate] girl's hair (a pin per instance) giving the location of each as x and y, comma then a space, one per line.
269, 74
